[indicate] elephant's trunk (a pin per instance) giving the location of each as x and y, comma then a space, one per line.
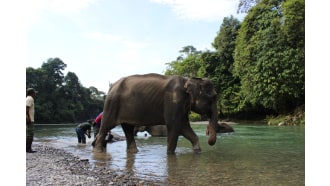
212, 126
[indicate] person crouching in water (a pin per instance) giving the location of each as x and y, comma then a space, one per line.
82, 130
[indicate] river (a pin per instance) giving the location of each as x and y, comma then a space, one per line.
252, 155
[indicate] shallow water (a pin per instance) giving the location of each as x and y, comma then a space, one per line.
253, 155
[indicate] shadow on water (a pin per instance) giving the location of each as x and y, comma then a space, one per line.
253, 155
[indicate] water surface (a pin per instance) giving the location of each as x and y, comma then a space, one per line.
253, 155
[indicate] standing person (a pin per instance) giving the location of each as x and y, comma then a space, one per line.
30, 96
82, 130
97, 124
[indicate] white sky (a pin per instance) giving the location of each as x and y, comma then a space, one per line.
104, 40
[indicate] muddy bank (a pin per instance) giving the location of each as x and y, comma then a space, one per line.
52, 166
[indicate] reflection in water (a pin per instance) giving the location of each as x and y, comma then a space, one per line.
253, 155
101, 159
130, 160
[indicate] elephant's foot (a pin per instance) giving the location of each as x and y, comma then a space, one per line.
132, 150
197, 149
99, 149
170, 152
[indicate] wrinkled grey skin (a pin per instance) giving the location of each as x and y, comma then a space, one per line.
154, 99
154, 130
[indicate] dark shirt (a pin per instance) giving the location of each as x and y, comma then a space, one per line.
85, 126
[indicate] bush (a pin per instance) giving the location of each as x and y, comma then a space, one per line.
194, 117
297, 118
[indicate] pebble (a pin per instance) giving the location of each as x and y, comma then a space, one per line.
52, 166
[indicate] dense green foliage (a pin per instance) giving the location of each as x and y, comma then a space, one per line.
62, 99
187, 64
220, 70
270, 57
258, 67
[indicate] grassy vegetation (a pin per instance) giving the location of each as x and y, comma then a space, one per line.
297, 118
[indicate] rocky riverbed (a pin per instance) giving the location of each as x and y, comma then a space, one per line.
52, 166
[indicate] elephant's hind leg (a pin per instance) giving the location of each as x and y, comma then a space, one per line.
130, 141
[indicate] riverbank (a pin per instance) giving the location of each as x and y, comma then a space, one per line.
296, 118
52, 166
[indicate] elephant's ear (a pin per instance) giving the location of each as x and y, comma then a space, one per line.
192, 88
207, 88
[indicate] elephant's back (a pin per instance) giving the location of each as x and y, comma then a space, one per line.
141, 95
146, 84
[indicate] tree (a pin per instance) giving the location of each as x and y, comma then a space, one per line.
53, 69
219, 65
61, 99
269, 55
187, 64
245, 5
34, 78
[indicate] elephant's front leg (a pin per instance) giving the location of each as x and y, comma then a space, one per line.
130, 141
172, 140
99, 144
188, 133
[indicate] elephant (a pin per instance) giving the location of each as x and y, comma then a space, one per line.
154, 130
221, 128
161, 131
154, 99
